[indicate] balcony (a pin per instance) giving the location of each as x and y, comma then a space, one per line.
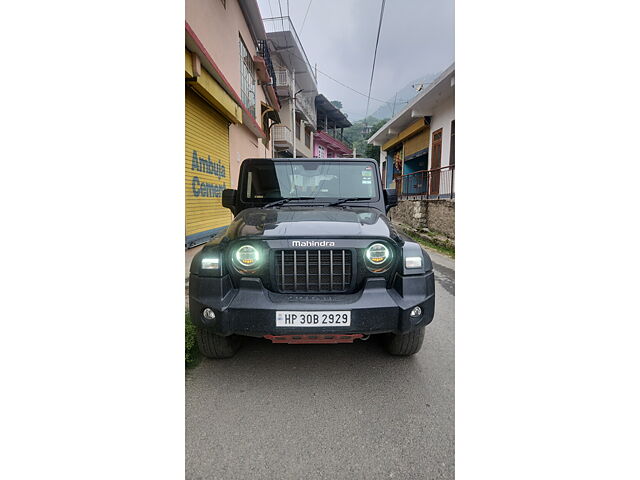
283, 82
432, 184
285, 44
263, 51
282, 136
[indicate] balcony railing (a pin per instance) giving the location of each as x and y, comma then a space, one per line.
431, 184
263, 51
282, 134
284, 24
283, 78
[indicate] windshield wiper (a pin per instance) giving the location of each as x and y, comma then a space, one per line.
282, 201
340, 201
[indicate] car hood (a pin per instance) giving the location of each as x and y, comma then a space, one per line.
316, 222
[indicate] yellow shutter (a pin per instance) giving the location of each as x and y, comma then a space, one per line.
206, 169
416, 143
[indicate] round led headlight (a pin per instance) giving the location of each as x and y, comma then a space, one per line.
378, 257
246, 258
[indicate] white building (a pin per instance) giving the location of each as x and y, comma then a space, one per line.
417, 146
296, 87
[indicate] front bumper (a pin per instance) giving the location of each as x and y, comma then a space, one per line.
250, 309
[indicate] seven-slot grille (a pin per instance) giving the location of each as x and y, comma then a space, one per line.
313, 270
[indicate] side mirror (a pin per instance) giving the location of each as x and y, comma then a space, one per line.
229, 198
390, 198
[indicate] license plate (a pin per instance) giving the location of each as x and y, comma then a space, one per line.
340, 318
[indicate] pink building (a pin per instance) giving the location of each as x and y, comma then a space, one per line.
325, 146
327, 141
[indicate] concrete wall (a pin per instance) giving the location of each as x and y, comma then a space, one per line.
286, 119
301, 147
219, 29
436, 215
244, 144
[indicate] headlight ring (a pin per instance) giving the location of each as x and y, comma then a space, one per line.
378, 257
246, 259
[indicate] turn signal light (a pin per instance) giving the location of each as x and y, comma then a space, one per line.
413, 262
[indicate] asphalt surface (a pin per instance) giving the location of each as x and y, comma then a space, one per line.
328, 411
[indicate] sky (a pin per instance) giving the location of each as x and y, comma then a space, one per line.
417, 38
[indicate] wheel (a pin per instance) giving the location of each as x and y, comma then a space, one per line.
406, 344
217, 346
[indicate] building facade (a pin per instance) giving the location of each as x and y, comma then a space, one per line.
325, 146
230, 106
296, 87
328, 140
417, 146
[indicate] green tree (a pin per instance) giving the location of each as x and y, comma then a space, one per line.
337, 104
357, 135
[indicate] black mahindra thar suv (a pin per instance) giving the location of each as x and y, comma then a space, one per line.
310, 257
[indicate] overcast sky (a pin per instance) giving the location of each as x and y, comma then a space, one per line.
417, 38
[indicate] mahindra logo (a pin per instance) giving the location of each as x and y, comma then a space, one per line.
312, 243
310, 299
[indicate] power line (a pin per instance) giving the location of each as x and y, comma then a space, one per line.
375, 54
286, 42
369, 97
338, 81
354, 90
281, 16
305, 16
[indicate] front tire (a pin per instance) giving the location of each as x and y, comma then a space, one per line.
217, 346
406, 344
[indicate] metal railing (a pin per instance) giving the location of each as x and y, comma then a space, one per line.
282, 133
284, 24
283, 78
263, 51
304, 102
431, 184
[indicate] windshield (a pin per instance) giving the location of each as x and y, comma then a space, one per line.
268, 180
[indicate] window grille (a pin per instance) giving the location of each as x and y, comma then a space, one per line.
247, 79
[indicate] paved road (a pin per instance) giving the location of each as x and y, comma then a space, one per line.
327, 411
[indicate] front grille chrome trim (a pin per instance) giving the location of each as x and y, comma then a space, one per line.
343, 274
331, 269
314, 271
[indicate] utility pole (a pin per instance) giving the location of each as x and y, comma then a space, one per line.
293, 109
354, 151
302, 133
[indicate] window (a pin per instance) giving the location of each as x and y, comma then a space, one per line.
247, 79
307, 137
269, 180
322, 153
298, 128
